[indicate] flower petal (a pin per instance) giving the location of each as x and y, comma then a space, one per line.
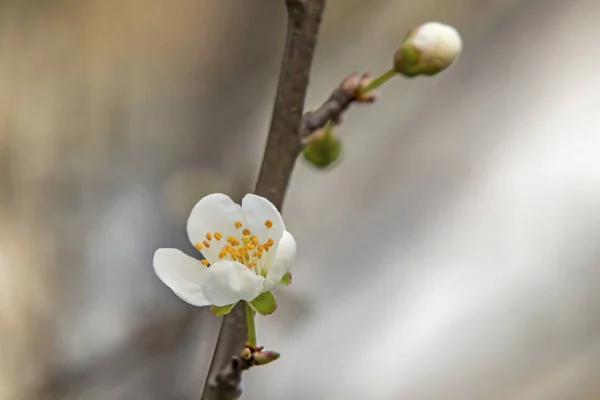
284, 257
214, 213
257, 210
227, 282
182, 274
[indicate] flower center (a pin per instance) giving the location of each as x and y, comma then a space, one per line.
245, 248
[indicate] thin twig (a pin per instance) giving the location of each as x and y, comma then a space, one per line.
282, 149
348, 92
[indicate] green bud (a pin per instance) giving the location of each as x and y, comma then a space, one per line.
427, 50
265, 357
323, 148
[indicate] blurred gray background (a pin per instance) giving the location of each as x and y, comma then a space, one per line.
453, 254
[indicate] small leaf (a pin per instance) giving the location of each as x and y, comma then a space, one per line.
221, 310
264, 304
286, 279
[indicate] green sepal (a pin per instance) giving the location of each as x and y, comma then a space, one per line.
221, 310
286, 279
264, 304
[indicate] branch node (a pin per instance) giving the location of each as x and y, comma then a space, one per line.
349, 91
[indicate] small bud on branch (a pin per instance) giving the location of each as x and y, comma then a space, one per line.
427, 50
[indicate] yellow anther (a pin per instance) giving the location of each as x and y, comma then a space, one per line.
218, 236
270, 242
257, 254
250, 246
254, 240
246, 232
268, 224
205, 262
252, 264
261, 248
209, 236
238, 224
198, 246
245, 239
222, 254
206, 244
267, 247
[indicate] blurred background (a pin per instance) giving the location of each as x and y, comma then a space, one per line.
453, 254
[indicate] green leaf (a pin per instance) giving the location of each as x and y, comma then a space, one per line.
286, 279
264, 304
221, 310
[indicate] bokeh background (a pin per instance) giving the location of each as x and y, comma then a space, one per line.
453, 254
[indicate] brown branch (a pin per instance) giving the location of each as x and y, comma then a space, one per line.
348, 92
288, 130
281, 151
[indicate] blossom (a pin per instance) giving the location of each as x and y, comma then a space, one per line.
428, 49
246, 250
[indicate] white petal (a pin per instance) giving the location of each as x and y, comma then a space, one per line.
227, 282
182, 274
284, 258
257, 210
214, 213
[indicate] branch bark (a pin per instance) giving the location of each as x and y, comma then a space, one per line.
281, 151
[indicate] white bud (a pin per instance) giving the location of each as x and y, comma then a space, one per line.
428, 49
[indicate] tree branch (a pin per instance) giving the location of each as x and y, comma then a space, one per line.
288, 130
282, 150
348, 92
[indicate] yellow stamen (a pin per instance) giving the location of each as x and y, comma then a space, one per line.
270, 242
254, 240
222, 254
267, 247
206, 244
218, 236
252, 264
205, 262
238, 224
198, 246
257, 254
209, 236
246, 232
245, 239
268, 224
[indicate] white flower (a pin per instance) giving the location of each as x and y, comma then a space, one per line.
246, 248
428, 49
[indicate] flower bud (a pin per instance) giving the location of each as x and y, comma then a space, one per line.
428, 49
265, 357
322, 148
